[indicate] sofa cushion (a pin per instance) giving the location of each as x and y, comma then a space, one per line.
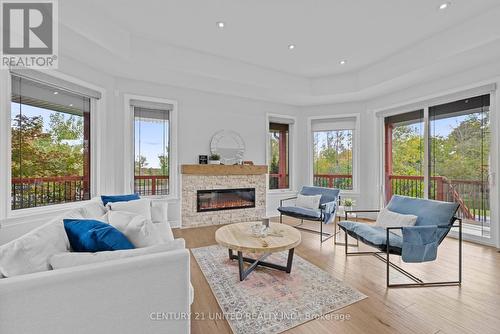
374, 236
140, 207
93, 208
387, 218
140, 231
88, 235
31, 252
300, 212
165, 231
71, 259
308, 201
159, 210
118, 198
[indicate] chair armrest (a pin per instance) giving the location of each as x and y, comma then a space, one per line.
286, 199
354, 211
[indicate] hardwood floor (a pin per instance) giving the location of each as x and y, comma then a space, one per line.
472, 308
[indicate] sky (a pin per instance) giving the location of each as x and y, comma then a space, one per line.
150, 143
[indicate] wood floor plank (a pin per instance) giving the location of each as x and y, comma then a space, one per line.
472, 308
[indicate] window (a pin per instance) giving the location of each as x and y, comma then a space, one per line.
50, 144
151, 148
279, 155
404, 145
455, 164
332, 152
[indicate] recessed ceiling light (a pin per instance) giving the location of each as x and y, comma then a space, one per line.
221, 24
291, 46
444, 5
71, 104
342, 62
56, 92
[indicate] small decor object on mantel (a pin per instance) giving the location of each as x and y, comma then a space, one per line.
203, 159
248, 162
214, 159
229, 146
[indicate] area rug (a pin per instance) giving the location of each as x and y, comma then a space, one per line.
271, 301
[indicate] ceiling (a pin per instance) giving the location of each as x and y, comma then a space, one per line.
258, 32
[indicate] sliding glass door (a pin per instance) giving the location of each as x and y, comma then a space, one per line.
442, 152
459, 150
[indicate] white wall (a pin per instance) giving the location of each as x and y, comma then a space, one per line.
200, 115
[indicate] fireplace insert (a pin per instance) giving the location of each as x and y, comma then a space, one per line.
225, 199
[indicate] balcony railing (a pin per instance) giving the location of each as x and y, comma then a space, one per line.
341, 181
151, 185
472, 196
42, 191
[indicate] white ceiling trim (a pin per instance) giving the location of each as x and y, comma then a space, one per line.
120, 54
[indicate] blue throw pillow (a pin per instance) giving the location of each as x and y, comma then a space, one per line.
118, 198
88, 235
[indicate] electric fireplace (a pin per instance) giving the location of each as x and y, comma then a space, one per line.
225, 199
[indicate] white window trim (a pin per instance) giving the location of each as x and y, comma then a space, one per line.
292, 130
445, 97
96, 119
173, 178
355, 149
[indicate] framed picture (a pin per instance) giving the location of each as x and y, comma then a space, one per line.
203, 159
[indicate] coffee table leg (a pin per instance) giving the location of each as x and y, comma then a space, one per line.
289, 261
243, 273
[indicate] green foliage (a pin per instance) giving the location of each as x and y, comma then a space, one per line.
36, 153
462, 154
214, 156
332, 152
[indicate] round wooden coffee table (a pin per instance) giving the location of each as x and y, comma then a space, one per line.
238, 237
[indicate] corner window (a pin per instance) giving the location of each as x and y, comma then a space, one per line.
50, 145
278, 159
333, 153
151, 149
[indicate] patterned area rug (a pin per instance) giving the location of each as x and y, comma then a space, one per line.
271, 301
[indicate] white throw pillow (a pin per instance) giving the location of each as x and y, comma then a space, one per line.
140, 231
308, 202
388, 218
31, 252
139, 206
71, 259
93, 208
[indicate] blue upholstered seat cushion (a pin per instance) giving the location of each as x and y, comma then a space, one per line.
88, 235
118, 198
429, 212
374, 236
298, 212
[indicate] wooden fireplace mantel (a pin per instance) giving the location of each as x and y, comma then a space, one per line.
224, 169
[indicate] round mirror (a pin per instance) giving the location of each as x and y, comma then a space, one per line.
229, 146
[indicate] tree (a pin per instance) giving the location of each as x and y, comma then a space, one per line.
164, 164
36, 153
140, 164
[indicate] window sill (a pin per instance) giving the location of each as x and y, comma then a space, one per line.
280, 191
54, 210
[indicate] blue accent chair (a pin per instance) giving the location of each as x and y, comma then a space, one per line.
416, 244
325, 214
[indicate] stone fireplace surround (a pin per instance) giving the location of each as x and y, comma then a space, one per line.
208, 177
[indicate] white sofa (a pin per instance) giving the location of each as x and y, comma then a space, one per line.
144, 294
